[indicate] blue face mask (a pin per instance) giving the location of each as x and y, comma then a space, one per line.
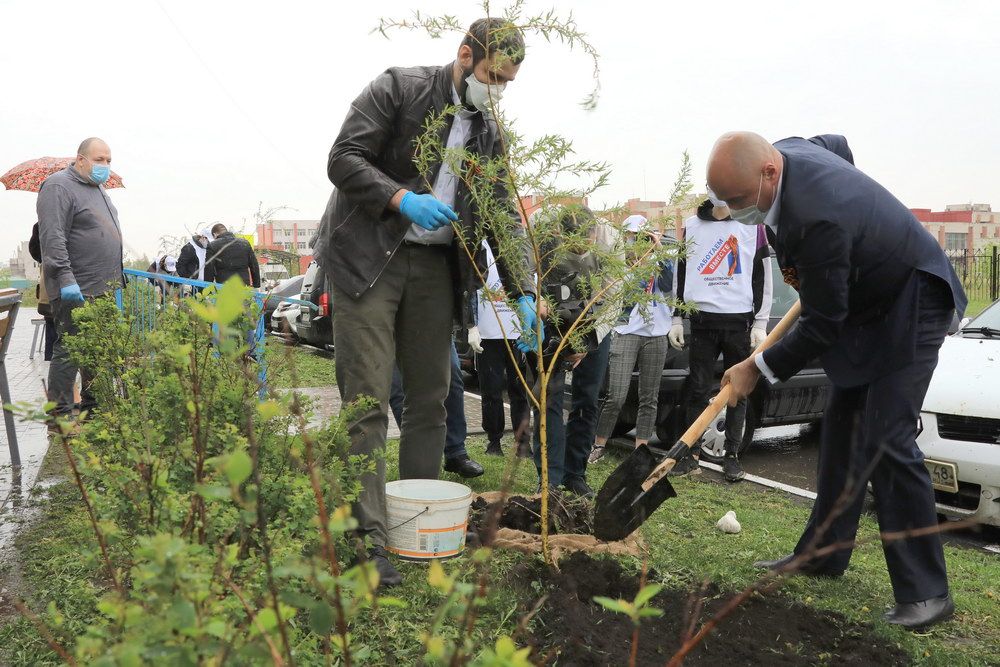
100, 173
751, 215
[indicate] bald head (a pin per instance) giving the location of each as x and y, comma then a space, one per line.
743, 170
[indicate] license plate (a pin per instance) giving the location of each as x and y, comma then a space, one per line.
944, 476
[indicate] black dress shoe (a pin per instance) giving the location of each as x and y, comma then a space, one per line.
781, 564
463, 466
493, 449
921, 615
578, 486
387, 574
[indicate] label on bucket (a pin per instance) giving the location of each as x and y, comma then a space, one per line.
409, 537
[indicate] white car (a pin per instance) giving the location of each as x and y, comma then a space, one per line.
960, 421
284, 320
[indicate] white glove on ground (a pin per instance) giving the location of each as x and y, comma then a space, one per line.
475, 340
757, 336
676, 336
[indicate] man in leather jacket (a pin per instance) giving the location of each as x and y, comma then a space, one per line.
398, 272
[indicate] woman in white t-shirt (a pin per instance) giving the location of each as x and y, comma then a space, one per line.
643, 339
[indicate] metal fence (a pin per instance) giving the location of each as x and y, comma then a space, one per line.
979, 272
146, 294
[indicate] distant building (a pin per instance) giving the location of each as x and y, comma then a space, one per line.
661, 212
22, 265
961, 227
289, 236
531, 203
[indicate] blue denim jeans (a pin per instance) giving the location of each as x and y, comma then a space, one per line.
569, 443
454, 440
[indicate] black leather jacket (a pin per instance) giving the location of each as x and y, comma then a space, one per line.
372, 159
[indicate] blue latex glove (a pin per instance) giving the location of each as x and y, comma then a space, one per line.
426, 211
71, 293
529, 320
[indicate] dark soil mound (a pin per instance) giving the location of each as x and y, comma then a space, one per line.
571, 629
567, 516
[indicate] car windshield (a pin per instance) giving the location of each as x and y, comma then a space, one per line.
784, 295
986, 323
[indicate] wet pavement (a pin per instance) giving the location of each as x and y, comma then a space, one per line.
785, 454
26, 377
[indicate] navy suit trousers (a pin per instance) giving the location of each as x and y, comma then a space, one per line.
869, 433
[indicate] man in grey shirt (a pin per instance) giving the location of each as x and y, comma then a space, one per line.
81, 256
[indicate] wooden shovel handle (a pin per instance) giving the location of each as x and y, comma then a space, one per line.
715, 406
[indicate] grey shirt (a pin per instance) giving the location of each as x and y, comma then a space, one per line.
80, 237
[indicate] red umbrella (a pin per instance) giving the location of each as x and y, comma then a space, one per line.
29, 175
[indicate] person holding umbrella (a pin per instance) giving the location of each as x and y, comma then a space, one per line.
81, 247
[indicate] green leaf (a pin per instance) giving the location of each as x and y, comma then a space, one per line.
618, 606
230, 301
647, 593
238, 467
210, 492
437, 578
387, 601
270, 409
266, 619
647, 612
321, 619
182, 615
296, 599
216, 629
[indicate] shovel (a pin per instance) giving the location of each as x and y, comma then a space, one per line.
638, 486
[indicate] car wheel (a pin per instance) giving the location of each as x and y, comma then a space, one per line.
713, 443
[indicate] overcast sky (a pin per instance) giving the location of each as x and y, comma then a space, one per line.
212, 107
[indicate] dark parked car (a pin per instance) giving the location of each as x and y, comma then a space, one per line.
799, 400
315, 327
289, 287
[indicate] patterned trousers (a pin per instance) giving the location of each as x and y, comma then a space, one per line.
650, 352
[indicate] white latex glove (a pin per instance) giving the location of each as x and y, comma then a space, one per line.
676, 336
476, 340
757, 336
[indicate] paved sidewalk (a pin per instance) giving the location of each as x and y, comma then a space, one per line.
26, 378
327, 403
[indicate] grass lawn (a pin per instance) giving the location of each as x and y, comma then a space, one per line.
312, 367
684, 549
976, 306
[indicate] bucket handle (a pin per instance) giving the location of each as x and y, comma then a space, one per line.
423, 511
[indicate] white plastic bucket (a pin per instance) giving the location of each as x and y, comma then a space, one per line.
427, 518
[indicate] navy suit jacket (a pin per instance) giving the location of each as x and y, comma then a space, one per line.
853, 251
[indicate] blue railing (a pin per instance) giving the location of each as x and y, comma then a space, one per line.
143, 297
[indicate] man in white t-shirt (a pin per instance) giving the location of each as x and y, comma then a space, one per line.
493, 339
726, 277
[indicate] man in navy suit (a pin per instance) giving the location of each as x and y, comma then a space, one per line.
878, 295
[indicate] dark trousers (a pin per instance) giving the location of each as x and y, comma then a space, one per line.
62, 369
706, 344
50, 337
456, 428
497, 372
569, 443
871, 430
404, 318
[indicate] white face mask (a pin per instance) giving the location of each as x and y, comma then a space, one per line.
480, 95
